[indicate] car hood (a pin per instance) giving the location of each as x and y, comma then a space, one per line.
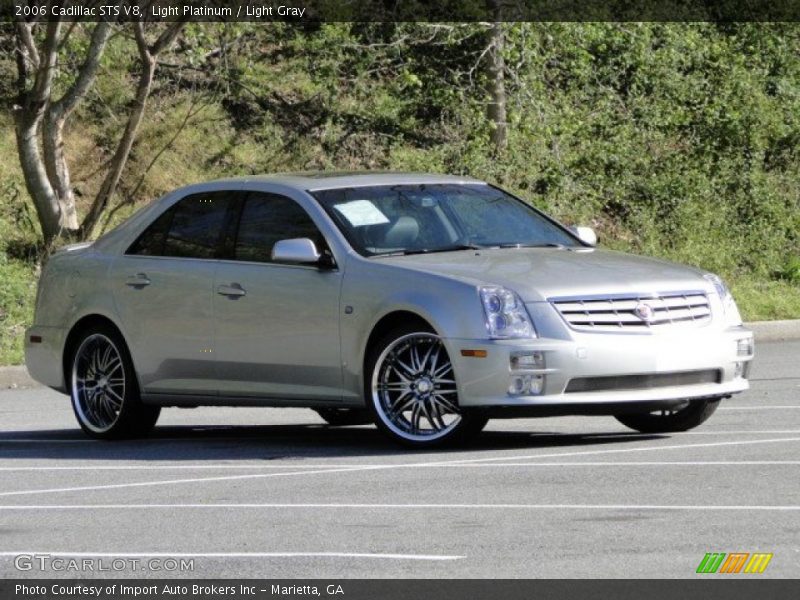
537, 274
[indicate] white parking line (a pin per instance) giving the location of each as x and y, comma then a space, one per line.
238, 555
171, 482
224, 467
396, 506
779, 407
387, 467
618, 451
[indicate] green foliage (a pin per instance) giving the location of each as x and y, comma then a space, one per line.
677, 140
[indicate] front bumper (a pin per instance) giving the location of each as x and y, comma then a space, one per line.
484, 381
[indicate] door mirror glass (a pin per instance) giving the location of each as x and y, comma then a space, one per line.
300, 251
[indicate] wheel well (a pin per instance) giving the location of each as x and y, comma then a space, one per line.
74, 335
392, 320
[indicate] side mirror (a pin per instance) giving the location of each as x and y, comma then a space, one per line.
585, 234
301, 251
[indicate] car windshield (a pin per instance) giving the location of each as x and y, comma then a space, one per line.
415, 219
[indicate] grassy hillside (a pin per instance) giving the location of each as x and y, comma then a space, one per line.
672, 140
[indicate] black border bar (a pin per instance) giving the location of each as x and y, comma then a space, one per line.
316, 11
702, 588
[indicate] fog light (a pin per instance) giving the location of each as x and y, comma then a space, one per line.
525, 385
518, 386
744, 347
537, 384
738, 370
527, 360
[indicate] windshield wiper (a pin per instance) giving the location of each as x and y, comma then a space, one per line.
547, 245
453, 248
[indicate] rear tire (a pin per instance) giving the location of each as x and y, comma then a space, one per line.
669, 421
104, 389
411, 392
342, 417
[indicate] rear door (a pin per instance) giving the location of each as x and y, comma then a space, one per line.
277, 332
163, 289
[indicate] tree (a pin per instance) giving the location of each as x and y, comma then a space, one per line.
495, 78
40, 117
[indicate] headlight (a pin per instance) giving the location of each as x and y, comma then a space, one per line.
729, 308
506, 316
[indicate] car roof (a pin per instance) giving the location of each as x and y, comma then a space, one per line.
325, 180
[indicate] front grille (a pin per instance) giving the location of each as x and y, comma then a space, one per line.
641, 382
635, 312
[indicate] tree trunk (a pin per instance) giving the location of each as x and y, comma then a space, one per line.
36, 180
32, 102
112, 178
496, 109
58, 171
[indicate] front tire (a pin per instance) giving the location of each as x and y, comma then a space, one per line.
410, 388
669, 421
104, 389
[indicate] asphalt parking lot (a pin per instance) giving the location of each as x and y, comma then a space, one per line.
276, 493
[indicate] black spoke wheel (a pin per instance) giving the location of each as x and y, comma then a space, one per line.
680, 418
412, 392
104, 389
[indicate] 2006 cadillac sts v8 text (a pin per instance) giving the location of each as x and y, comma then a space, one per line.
425, 303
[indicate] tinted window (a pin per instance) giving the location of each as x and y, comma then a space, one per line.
190, 229
266, 219
196, 226
151, 242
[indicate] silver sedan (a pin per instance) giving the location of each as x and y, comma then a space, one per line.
425, 303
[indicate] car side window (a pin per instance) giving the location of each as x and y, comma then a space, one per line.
151, 242
268, 218
190, 229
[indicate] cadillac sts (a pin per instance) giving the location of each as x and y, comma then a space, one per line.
426, 304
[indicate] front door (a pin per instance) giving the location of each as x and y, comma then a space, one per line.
277, 325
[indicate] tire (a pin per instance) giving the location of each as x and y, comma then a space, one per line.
341, 417
104, 389
409, 369
668, 421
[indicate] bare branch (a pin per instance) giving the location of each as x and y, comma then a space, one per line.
166, 38
25, 34
87, 72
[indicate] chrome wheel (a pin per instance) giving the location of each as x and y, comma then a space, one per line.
98, 383
414, 388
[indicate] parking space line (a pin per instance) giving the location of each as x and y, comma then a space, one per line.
618, 451
238, 555
174, 482
397, 506
758, 407
385, 467
223, 467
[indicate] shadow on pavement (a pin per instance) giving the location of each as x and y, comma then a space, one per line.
274, 442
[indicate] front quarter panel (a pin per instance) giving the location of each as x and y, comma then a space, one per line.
373, 290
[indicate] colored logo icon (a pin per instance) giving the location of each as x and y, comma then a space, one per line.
734, 562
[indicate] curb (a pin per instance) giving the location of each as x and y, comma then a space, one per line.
16, 378
775, 331
764, 331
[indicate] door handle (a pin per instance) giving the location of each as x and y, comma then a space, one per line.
139, 280
233, 290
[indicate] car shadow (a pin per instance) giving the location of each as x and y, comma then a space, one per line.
275, 442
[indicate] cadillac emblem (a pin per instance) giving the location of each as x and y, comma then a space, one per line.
644, 311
